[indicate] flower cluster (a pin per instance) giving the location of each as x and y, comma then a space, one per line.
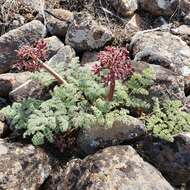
30, 56
114, 65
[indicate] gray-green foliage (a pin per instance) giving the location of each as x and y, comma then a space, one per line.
78, 103
169, 120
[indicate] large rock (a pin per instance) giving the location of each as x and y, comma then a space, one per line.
14, 39
10, 81
118, 168
124, 7
167, 84
29, 89
172, 159
159, 7
58, 21
161, 48
92, 139
22, 167
85, 34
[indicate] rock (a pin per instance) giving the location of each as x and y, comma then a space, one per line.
183, 31
10, 81
136, 24
167, 84
89, 57
22, 167
92, 139
112, 168
63, 57
3, 102
14, 39
54, 44
30, 88
185, 6
172, 159
84, 34
58, 21
3, 129
124, 7
161, 48
159, 7
187, 19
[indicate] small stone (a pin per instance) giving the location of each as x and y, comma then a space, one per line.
84, 34
58, 21
124, 7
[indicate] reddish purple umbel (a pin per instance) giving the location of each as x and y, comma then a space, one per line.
114, 65
29, 56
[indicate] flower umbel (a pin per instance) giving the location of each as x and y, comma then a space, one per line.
29, 56
33, 58
114, 65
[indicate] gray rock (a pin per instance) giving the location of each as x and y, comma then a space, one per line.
58, 21
10, 81
172, 159
22, 167
159, 7
118, 168
11, 41
92, 139
161, 48
185, 6
187, 19
136, 24
30, 88
54, 44
124, 7
63, 57
167, 84
183, 32
85, 34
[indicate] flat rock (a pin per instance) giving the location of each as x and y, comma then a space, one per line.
10, 81
84, 34
14, 39
92, 139
112, 168
161, 48
22, 167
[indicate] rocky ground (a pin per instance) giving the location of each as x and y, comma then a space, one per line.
157, 33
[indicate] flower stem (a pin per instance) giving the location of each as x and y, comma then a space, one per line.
53, 73
111, 91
